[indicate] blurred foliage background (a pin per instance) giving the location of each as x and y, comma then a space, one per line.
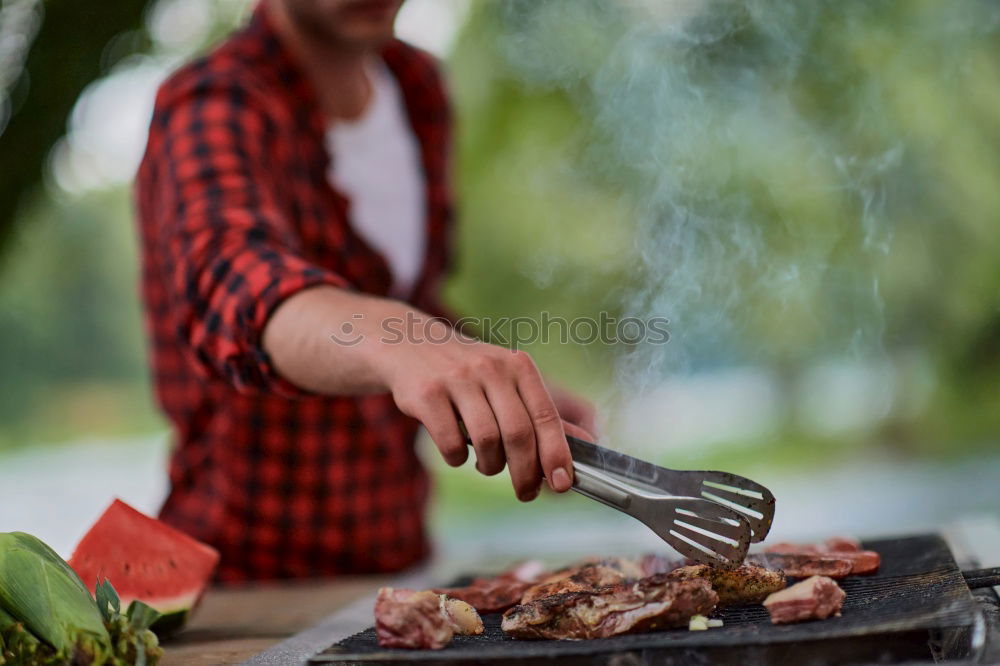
810, 192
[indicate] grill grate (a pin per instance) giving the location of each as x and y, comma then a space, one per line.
918, 588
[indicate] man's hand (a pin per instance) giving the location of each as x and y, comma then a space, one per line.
436, 376
500, 397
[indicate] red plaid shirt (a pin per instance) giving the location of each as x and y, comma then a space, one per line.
236, 214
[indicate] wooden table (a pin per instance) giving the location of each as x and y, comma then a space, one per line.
234, 623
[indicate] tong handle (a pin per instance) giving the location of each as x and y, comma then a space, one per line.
589, 482
634, 469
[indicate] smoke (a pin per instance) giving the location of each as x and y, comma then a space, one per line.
759, 144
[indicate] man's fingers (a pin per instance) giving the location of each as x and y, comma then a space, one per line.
482, 428
553, 451
436, 413
574, 430
518, 434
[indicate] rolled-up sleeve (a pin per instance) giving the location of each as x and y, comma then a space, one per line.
227, 255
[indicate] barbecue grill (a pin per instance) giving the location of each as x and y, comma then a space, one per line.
918, 607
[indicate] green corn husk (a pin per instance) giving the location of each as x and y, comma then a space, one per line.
48, 618
18, 646
42, 592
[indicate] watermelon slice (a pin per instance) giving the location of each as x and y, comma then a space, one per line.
146, 560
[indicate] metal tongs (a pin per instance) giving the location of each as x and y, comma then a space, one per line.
709, 517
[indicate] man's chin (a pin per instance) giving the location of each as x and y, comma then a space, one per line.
372, 38
369, 22
355, 25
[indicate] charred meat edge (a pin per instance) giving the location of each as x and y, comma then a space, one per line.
655, 602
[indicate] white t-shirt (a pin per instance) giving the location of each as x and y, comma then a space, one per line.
375, 162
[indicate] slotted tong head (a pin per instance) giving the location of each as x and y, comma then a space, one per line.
709, 517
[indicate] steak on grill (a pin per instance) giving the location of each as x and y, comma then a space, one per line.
585, 578
654, 563
655, 602
746, 584
862, 561
865, 562
497, 594
804, 565
421, 619
815, 598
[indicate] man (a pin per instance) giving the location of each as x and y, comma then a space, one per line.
293, 205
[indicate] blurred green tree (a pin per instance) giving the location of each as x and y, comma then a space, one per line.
75, 43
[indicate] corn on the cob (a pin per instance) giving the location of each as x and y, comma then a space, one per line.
19, 646
48, 618
40, 591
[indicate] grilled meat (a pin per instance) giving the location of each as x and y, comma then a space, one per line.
421, 619
627, 567
655, 602
815, 598
631, 569
592, 574
489, 595
862, 561
586, 578
497, 594
804, 565
654, 563
746, 584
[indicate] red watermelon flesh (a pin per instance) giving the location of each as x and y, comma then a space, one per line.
146, 560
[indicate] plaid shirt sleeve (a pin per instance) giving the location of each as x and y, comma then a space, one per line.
228, 256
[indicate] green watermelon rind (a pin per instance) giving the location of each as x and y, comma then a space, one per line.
174, 614
170, 623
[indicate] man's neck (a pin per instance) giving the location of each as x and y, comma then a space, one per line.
338, 73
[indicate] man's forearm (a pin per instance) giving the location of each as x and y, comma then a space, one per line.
302, 337
436, 376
